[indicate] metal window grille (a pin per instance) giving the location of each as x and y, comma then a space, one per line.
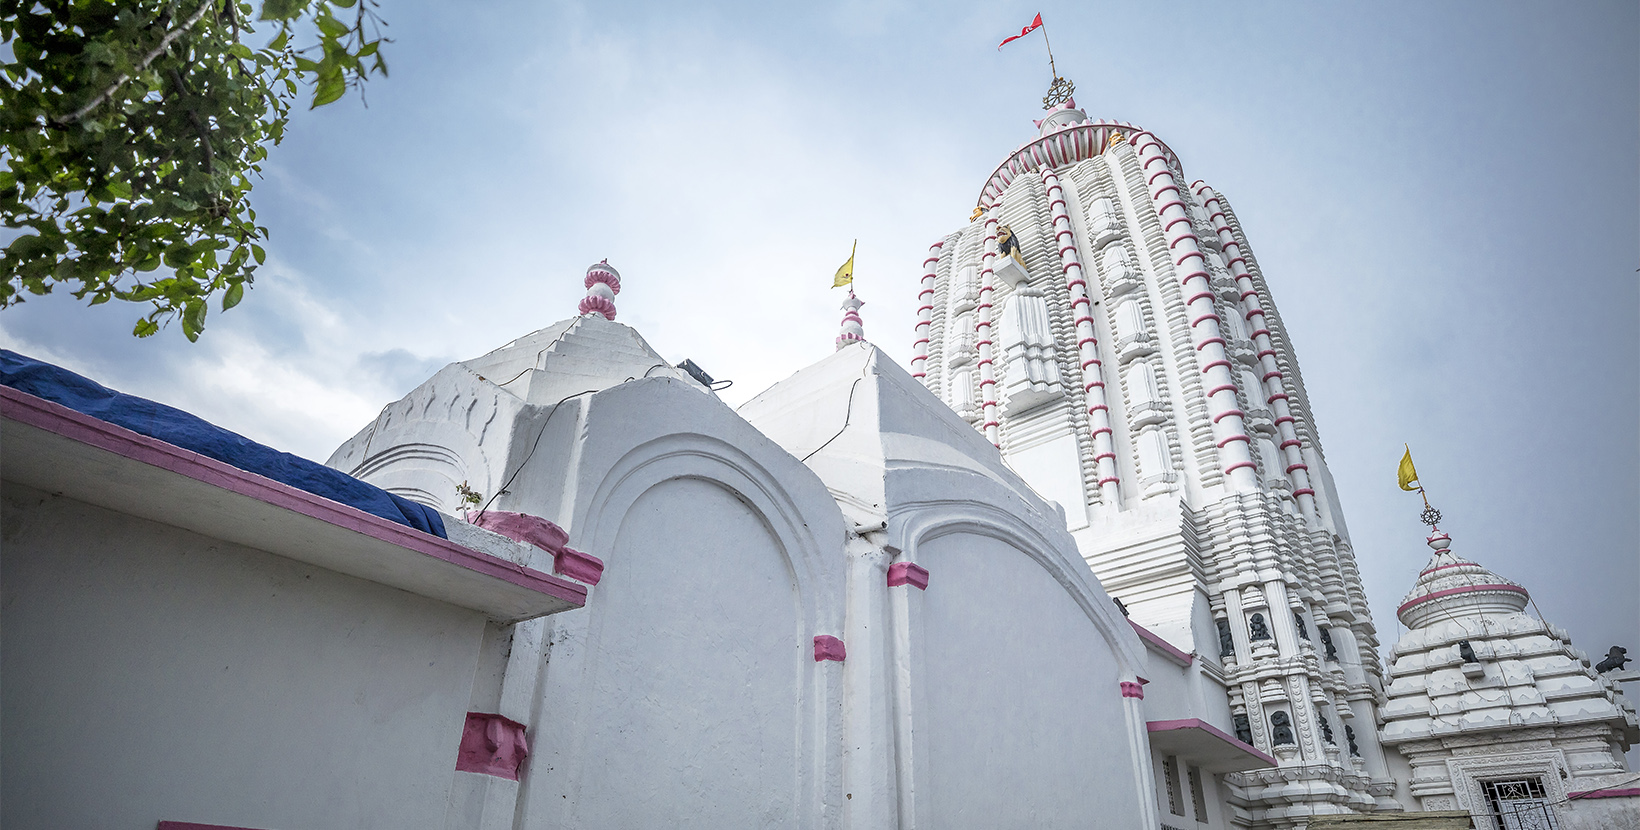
1198, 794
1170, 780
1520, 804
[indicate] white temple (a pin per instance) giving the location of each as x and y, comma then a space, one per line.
1083, 565
1496, 711
1141, 378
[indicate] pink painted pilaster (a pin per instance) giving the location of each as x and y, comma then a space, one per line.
984, 331
1275, 393
492, 745
925, 312
1229, 430
1087, 344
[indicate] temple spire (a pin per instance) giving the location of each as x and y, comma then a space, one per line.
603, 283
853, 329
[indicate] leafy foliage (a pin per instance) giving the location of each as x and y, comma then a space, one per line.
130, 132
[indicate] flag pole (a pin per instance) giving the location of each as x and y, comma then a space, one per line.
1050, 50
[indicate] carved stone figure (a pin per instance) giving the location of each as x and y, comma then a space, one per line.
1349, 737
1303, 630
1244, 729
1260, 631
1327, 643
1326, 728
1008, 246
1467, 652
1227, 645
1281, 728
1614, 660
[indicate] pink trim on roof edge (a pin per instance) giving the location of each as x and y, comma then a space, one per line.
1466, 589
60, 420
1198, 723
1623, 793
188, 825
1156, 642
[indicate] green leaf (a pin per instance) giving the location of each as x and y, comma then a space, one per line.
261, 255
145, 328
280, 9
236, 292
331, 26
193, 320
331, 86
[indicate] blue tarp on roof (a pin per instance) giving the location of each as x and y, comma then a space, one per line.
173, 426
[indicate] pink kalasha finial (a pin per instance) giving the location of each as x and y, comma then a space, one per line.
603, 282
853, 328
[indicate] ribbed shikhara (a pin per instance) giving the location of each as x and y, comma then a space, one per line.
1174, 521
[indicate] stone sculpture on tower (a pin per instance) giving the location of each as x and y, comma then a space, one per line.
1119, 345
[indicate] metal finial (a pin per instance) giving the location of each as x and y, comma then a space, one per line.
1058, 93
1430, 516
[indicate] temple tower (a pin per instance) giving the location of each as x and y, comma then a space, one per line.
1498, 714
1108, 328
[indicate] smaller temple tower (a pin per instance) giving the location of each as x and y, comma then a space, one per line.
1498, 714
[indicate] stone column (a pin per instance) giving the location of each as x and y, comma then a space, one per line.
984, 330
925, 313
1229, 430
1291, 448
1087, 345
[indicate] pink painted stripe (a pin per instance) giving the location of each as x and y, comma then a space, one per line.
1233, 439
60, 420
1466, 589
1198, 723
189, 825
1304, 491
1167, 649
1627, 792
1238, 465
1132, 689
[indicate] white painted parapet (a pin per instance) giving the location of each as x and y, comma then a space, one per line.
1229, 432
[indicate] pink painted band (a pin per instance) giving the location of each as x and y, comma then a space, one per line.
1102, 456
1133, 690
1174, 203
1169, 226
908, 573
1202, 319
1238, 465
1056, 201
1290, 442
1214, 364
1097, 407
55, 418
1265, 332
1153, 176
1267, 353
1273, 374
1466, 589
1227, 413
934, 259
1304, 491
1285, 419
1279, 396
1234, 260
1248, 293
925, 308
919, 374
1156, 642
1112, 480
918, 342
1082, 319
1200, 295
989, 424
1093, 362
1227, 387
827, 647
1076, 282
1233, 439
1628, 792
1257, 311
1086, 340
1197, 723
1106, 430
1199, 346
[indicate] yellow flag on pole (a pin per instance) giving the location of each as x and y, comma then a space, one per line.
845, 274
1407, 476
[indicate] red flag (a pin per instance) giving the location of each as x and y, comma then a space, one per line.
1023, 32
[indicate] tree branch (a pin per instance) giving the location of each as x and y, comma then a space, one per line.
148, 58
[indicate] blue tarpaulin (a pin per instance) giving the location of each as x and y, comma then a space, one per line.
173, 426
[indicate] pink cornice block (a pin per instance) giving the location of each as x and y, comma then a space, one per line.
908, 573
577, 565
534, 530
1132, 689
522, 527
492, 745
827, 647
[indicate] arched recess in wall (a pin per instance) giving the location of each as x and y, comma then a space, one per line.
991, 677
424, 460
697, 675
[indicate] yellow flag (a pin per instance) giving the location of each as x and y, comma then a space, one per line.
845, 274
1407, 475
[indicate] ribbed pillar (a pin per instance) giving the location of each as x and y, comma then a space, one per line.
1229, 431
925, 312
1087, 345
982, 330
1292, 449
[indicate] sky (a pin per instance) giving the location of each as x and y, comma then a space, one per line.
1444, 198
